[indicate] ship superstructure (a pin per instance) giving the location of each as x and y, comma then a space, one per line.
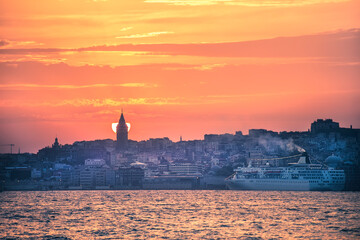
300, 176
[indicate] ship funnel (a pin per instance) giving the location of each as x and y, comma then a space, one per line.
304, 159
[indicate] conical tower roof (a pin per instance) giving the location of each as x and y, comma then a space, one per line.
122, 118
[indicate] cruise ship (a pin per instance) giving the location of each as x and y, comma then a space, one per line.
300, 176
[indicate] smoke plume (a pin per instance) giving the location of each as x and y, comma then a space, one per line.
274, 144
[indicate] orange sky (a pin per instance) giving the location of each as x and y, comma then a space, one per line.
176, 67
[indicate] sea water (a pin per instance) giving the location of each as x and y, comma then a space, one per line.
179, 215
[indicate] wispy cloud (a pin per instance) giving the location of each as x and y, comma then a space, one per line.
100, 85
247, 3
163, 101
145, 35
4, 42
343, 43
96, 102
338, 47
188, 2
120, 102
125, 29
13, 44
203, 67
280, 3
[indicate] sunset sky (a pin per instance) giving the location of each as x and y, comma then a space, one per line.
176, 67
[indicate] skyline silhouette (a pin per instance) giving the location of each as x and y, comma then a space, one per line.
122, 128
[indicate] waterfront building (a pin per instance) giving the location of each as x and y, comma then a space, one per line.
92, 177
87, 180
130, 176
94, 173
184, 169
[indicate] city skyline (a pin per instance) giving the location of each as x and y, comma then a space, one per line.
178, 68
121, 137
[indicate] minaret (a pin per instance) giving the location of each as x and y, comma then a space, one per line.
121, 133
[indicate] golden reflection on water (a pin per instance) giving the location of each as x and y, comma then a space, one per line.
180, 215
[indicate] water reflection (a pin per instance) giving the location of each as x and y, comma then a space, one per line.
179, 214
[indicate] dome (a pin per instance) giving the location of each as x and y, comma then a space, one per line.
333, 161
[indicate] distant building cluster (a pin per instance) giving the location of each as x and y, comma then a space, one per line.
163, 164
326, 125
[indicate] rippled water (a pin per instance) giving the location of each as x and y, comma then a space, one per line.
179, 215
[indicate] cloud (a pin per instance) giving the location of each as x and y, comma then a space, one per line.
85, 102
343, 43
280, 3
247, 3
145, 35
282, 93
331, 48
163, 101
100, 85
138, 85
203, 67
14, 44
188, 2
4, 42
32, 50
125, 29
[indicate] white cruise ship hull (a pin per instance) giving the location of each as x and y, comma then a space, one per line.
281, 185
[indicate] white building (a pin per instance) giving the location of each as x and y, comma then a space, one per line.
94, 162
184, 169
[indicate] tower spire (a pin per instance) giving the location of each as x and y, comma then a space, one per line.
121, 133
